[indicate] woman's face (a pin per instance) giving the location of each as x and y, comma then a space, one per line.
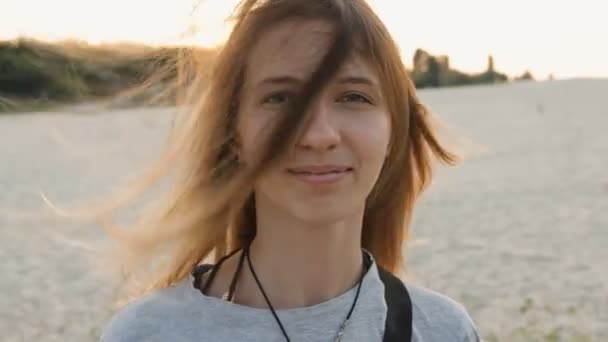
333, 167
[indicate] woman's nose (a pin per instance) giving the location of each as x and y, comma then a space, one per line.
321, 134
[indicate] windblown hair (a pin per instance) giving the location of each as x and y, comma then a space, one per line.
211, 209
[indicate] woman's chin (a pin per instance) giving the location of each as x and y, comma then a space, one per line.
325, 214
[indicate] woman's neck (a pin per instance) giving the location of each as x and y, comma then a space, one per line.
299, 265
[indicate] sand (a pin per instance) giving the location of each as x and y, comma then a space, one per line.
518, 233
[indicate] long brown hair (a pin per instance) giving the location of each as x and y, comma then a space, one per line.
211, 208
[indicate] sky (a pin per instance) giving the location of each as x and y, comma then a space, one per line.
560, 37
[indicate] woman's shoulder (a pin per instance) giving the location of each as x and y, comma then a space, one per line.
437, 317
141, 319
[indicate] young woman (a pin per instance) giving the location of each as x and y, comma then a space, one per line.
297, 176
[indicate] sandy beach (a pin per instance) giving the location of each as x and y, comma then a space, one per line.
518, 233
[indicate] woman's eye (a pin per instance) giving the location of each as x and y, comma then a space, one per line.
276, 99
354, 98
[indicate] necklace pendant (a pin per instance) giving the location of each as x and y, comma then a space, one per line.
339, 337
341, 331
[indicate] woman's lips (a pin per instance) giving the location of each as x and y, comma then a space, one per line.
320, 174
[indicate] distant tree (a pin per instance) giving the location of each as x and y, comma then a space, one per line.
444, 63
490, 64
433, 73
420, 61
526, 76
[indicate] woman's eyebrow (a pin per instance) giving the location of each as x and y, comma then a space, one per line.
280, 80
356, 80
285, 79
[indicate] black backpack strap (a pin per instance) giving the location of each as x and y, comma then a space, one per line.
197, 273
398, 325
199, 270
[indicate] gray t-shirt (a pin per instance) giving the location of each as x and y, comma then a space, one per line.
182, 313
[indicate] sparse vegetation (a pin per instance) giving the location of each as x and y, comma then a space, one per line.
34, 74
38, 75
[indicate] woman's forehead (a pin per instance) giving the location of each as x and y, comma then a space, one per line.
294, 48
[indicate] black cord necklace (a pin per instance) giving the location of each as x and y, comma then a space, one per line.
276, 317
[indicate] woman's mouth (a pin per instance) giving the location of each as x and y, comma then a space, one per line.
320, 174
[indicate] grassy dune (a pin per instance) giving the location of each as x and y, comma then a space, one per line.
35, 74
38, 75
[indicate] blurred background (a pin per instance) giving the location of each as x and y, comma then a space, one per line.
517, 233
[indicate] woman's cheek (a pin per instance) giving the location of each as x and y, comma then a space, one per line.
254, 127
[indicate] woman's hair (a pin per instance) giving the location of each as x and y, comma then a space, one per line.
210, 209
